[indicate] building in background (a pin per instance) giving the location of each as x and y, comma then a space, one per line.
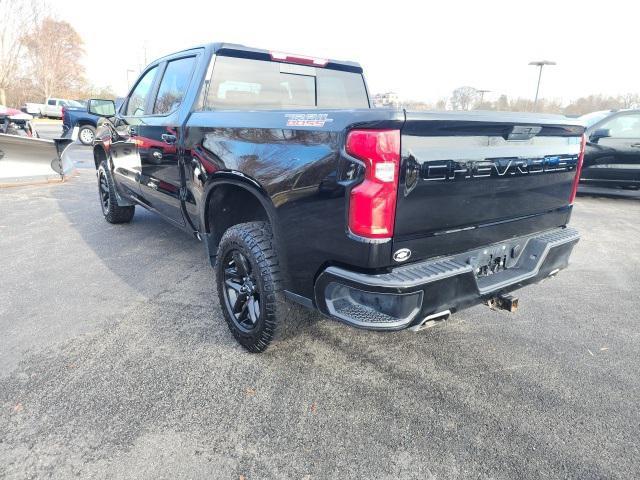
388, 99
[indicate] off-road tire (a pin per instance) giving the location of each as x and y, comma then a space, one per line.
254, 240
113, 213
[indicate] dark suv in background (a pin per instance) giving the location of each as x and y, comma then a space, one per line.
612, 155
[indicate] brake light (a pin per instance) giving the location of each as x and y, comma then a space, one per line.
372, 204
576, 180
299, 59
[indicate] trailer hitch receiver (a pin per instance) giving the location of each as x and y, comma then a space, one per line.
503, 302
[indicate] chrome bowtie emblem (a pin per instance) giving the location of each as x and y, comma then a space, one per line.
402, 255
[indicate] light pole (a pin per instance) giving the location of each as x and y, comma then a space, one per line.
540, 63
129, 70
482, 92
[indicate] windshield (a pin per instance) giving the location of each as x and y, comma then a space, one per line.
592, 118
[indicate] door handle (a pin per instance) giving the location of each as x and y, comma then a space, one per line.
168, 138
636, 145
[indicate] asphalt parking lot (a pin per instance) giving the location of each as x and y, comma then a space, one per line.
115, 363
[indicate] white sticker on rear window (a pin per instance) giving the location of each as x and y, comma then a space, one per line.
307, 119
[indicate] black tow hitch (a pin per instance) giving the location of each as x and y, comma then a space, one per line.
503, 302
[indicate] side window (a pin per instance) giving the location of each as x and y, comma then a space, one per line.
173, 87
51, 101
624, 126
138, 98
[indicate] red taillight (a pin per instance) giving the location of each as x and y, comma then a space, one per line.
299, 59
372, 205
576, 180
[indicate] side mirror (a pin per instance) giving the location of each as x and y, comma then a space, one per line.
102, 108
598, 134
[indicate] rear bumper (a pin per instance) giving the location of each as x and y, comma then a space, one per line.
406, 295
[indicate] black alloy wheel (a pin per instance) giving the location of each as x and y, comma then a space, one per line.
103, 191
241, 291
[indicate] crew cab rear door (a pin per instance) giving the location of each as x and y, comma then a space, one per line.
159, 137
470, 179
614, 160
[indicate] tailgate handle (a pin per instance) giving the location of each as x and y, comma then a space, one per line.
522, 132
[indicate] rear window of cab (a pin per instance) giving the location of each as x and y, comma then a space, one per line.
247, 84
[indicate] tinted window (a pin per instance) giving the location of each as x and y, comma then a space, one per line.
138, 98
175, 82
51, 102
341, 90
240, 83
623, 126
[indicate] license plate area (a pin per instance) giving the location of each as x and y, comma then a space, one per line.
495, 259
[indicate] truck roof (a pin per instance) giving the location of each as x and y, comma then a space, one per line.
237, 50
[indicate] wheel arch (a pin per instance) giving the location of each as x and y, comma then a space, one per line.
99, 155
231, 198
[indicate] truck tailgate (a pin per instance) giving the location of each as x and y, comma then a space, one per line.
475, 178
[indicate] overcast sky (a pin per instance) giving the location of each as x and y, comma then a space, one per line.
419, 49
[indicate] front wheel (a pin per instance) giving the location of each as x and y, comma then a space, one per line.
248, 281
113, 213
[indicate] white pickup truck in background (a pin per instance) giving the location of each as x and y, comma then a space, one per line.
52, 108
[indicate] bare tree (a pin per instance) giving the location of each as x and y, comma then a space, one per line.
592, 103
416, 105
462, 98
442, 103
502, 103
92, 91
17, 19
54, 54
630, 100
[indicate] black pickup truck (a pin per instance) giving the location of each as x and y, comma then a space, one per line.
612, 154
301, 191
